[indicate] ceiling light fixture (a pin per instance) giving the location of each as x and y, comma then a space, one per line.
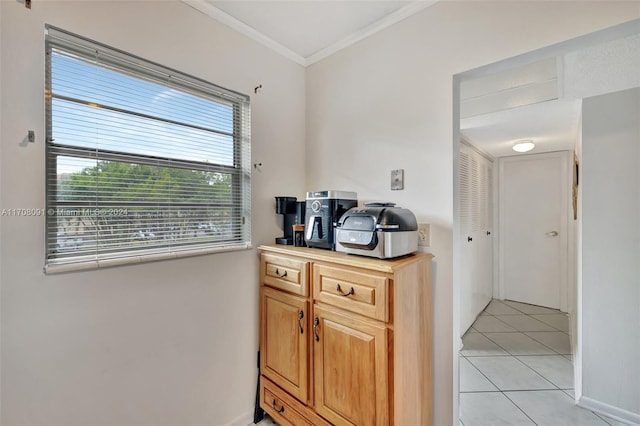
524, 146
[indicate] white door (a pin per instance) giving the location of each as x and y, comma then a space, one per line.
476, 219
534, 195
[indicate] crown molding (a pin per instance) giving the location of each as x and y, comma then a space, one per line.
393, 18
226, 19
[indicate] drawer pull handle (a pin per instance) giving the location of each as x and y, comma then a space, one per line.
300, 317
284, 274
339, 290
278, 410
316, 323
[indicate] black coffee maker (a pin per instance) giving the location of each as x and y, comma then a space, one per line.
293, 212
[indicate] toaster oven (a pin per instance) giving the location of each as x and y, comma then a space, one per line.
377, 230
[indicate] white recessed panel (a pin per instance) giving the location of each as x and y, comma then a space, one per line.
525, 75
510, 98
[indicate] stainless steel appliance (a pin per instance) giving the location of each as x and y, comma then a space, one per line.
323, 210
377, 230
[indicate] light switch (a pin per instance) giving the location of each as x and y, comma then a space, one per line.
397, 179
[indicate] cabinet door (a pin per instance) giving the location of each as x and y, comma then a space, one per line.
284, 341
350, 368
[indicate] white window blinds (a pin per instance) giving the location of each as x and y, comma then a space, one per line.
142, 161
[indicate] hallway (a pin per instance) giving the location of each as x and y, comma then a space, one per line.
516, 369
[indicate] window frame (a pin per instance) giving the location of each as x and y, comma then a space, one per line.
240, 170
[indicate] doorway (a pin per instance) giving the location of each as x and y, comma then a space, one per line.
573, 50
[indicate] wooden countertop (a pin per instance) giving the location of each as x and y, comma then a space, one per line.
382, 265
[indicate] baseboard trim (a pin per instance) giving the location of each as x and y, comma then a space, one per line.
609, 411
245, 419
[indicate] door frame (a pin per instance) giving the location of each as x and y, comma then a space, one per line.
598, 36
565, 233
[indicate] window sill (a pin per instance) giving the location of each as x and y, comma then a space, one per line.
86, 265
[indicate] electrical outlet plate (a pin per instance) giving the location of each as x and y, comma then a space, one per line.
397, 179
424, 234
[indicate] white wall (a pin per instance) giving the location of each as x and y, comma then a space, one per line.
386, 102
575, 286
174, 342
165, 343
610, 253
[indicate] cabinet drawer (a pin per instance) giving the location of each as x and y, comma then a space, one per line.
363, 293
285, 274
278, 405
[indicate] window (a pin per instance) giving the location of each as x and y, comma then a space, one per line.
143, 162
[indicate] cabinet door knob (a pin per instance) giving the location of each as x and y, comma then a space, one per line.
316, 323
278, 410
281, 275
339, 290
300, 317
469, 239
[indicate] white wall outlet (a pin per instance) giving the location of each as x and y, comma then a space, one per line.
424, 234
397, 179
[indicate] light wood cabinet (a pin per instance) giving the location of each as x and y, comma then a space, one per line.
345, 340
288, 274
358, 292
282, 406
350, 368
284, 355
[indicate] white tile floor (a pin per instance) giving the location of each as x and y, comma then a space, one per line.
516, 369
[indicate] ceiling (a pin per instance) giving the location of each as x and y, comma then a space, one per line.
307, 31
520, 103
542, 101
539, 101
551, 125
